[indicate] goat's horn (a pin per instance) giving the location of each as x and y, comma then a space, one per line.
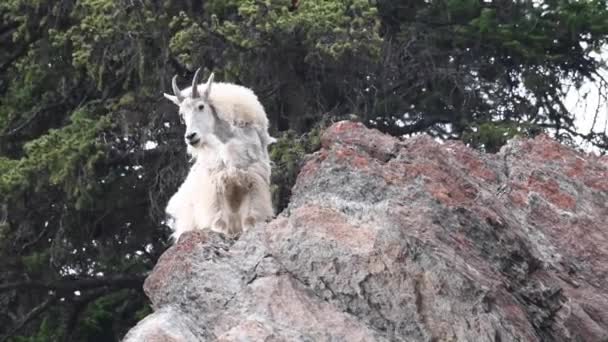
176, 91
195, 93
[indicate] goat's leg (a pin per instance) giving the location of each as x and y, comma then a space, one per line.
180, 213
232, 186
248, 220
219, 223
259, 204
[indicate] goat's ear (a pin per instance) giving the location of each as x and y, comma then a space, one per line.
171, 98
208, 87
271, 140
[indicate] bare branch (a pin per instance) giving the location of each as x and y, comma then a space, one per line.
35, 312
36, 239
80, 304
30, 119
72, 284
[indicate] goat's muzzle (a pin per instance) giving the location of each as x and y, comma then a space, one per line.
193, 139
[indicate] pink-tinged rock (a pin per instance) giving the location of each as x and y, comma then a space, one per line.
165, 325
374, 143
389, 240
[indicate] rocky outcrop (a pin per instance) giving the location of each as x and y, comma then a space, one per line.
389, 240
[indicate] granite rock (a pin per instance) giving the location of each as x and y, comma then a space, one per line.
413, 240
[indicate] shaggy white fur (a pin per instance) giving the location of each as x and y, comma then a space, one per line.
228, 187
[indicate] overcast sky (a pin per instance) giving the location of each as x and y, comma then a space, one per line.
586, 102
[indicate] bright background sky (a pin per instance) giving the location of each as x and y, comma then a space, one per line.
587, 101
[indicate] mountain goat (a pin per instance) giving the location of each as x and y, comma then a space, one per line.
228, 186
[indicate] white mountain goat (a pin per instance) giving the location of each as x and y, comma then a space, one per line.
228, 187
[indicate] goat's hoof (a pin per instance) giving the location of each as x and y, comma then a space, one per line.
220, 225
233, 234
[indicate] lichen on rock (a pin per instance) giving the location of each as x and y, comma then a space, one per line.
415, 240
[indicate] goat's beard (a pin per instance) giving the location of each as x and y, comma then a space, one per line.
206, 144
195, 151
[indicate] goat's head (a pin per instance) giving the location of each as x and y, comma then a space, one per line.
195, 111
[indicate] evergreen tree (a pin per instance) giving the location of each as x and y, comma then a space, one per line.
90, 151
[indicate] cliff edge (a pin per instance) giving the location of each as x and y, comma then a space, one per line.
389, 240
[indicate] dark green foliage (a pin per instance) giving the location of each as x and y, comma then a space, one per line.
82, 198
490, 137
287, 156
44, 333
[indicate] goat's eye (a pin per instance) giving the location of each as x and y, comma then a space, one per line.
201, 107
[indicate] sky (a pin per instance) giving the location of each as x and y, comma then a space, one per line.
587, 101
